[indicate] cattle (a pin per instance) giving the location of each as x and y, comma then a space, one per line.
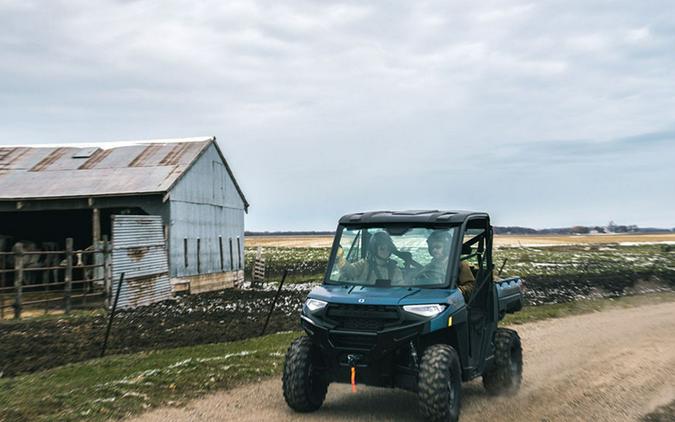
86, 258
31, 261
37, 257
6, 262
50, 259
45, 263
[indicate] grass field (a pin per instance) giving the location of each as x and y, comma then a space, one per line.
118, 386
558, 260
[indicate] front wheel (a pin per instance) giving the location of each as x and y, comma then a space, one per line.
440, 383
304, 387
507, 374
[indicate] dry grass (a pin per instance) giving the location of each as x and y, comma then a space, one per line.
501, 240
321, 241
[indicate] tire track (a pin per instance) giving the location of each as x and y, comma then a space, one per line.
607, 366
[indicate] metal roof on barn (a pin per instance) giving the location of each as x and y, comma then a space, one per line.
99, 169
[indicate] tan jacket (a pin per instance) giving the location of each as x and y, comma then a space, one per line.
467, 282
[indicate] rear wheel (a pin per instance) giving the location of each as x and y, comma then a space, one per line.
440, 383
507, 374
304, 387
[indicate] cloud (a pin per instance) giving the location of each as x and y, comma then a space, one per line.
639, 35
345, 105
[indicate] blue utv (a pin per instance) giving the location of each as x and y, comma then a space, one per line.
409, 300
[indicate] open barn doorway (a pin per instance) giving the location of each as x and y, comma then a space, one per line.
47, 230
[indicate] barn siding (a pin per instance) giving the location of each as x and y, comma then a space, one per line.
205, 204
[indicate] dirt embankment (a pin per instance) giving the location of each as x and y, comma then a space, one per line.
610, 366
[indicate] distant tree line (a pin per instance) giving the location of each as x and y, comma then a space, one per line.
610, 228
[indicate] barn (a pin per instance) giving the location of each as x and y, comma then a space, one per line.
172, 209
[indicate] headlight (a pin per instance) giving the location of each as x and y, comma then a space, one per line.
314, 304
424, 310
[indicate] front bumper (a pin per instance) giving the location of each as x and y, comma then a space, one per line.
381, 358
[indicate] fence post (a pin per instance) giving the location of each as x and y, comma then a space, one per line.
258, 271
18, 278
67, 291
106, 275
274, 302
3, 260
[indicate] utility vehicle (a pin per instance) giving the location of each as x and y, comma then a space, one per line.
398, 308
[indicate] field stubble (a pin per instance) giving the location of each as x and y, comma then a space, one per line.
325, 241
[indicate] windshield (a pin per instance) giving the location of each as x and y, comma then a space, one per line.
392, 256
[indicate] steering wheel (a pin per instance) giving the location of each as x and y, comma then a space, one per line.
408, 260
426, 274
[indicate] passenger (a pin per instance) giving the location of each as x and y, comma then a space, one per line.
439, 243
376, 266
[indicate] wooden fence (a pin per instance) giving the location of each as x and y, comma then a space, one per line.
44, 281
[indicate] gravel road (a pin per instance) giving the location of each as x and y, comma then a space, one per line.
607, 366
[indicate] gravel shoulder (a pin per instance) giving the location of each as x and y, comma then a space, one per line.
607, 366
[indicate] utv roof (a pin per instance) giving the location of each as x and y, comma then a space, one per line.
414, 216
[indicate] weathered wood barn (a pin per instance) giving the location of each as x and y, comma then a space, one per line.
172, 208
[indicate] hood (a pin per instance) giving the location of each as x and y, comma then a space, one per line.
382, 295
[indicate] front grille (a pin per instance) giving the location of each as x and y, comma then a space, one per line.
353, 341
363, 317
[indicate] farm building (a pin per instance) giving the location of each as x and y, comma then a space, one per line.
172, 209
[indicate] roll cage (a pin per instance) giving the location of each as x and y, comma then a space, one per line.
473, 229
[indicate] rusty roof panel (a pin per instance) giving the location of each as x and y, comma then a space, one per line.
5, 152
22, 158
174, 155
95, 159
144, 157
50, 159
121, 157
52, 172
9, 156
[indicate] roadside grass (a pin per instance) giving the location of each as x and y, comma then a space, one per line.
118, 386
558, 310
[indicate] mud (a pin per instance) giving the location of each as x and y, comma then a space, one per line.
33, 345
542, 290
232, 314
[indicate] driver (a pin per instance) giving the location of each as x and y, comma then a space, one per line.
377, 264
439, 248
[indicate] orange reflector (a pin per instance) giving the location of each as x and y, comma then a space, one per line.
353, 380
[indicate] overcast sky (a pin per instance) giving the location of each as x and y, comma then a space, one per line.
544, 113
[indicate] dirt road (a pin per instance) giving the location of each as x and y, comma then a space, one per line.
608, 366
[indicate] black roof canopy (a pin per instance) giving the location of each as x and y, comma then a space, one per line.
412, 216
